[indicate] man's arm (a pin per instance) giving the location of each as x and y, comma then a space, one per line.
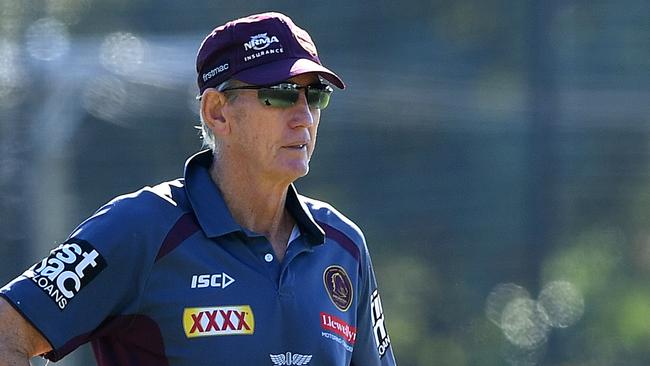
19, 340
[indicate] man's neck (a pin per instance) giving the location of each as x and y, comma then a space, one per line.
255, 203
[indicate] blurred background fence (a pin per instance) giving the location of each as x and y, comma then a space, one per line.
496, 154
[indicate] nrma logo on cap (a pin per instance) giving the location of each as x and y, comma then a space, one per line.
260, 41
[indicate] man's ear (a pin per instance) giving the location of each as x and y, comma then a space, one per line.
212, 105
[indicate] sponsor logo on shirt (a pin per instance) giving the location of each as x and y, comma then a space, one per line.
379, 328
67, 270
338, 286
338, 326
218, 320
290, 359
218, 280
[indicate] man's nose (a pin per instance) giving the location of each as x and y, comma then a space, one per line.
302, 115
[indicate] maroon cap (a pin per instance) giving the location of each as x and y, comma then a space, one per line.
259, 49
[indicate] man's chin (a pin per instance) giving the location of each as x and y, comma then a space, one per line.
297, 171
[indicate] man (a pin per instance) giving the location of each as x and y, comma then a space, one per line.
228, 266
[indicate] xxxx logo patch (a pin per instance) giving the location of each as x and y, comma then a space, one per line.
219, 320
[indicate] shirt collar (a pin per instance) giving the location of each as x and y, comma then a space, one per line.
204, 196
300, 212
295, 234
212, 213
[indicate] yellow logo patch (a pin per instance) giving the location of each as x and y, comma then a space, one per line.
218, 320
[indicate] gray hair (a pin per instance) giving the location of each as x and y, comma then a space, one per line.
209, 141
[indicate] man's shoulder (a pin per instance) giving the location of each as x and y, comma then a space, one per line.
155, 206
139, 221
166, 196
331, 219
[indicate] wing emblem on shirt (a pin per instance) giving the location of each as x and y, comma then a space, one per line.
290, 359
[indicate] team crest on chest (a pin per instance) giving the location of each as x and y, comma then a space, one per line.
338, 287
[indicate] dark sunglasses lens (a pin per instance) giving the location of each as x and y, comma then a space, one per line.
278, 97
318, 97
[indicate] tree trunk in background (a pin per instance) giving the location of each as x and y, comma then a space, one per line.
15, 153
542, 161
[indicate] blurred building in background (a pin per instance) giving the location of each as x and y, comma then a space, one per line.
496, 154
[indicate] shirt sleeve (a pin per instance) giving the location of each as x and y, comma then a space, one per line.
95, 275
372, 347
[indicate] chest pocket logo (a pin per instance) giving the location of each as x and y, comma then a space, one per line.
339, 287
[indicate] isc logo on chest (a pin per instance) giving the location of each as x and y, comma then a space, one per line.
219, 320
221, 280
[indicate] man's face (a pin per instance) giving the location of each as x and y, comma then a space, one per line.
274, 143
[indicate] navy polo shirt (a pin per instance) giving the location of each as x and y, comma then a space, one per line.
165, 276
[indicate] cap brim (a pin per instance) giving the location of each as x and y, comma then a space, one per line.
281, 70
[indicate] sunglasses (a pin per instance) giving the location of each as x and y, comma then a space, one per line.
285, 95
